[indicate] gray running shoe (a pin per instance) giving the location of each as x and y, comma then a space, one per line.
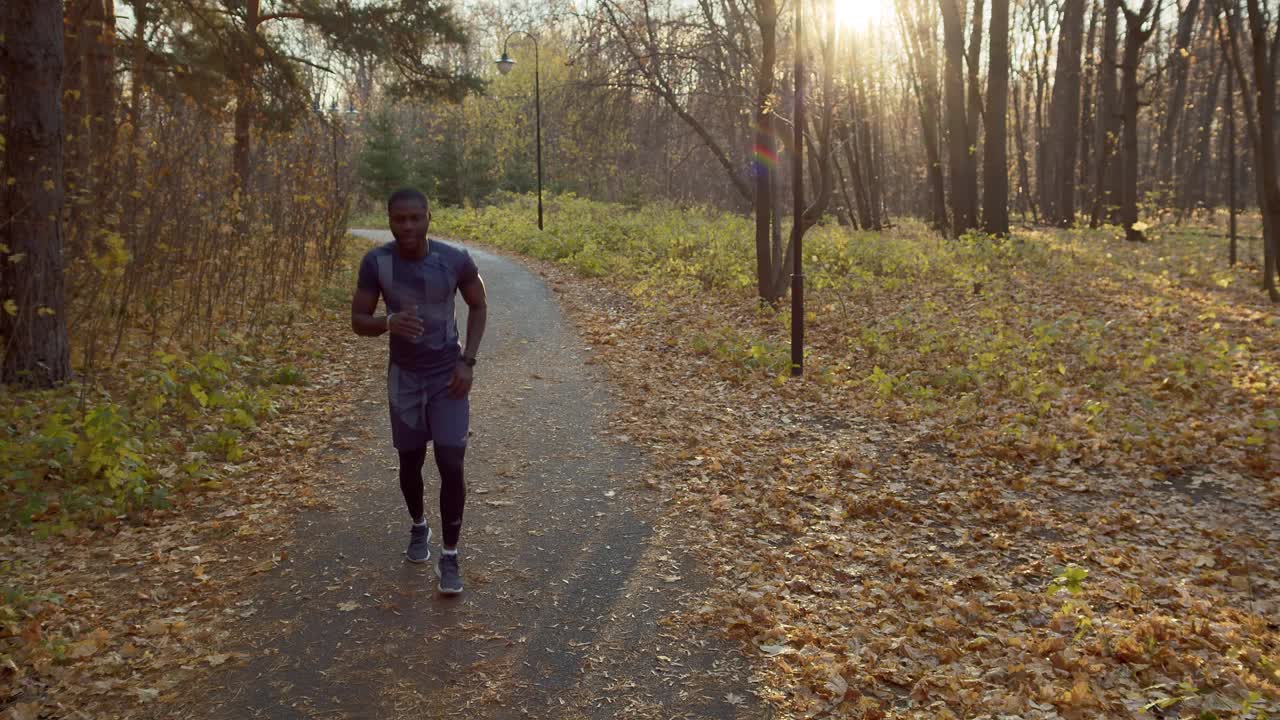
450, 577
419, 550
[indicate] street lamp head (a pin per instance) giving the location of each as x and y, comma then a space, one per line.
505, 63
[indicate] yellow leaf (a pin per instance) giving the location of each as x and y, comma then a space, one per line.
45, 311
48, 184
82, 649
11, 307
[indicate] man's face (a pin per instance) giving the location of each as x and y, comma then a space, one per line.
409, 221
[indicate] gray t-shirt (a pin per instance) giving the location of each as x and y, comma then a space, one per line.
428, 287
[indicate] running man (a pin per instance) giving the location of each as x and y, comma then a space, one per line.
428, 374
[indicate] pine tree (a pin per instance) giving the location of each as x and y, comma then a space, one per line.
382, 159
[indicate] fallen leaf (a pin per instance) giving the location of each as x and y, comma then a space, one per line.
772, 650
24, 711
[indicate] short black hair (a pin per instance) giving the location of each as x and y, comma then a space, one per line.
407, 193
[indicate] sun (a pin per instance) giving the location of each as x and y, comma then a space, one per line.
858, 14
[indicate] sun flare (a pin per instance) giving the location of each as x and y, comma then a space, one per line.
858, 14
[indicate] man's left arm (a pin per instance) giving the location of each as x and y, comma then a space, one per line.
477, 315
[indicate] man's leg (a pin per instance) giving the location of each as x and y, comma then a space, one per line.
411, 486
453, 491
411, 481
448, 419
407, 400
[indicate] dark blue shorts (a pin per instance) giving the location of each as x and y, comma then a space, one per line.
422, 410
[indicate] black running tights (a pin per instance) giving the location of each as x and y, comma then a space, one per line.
453, 490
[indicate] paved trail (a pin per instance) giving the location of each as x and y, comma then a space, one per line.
565, 575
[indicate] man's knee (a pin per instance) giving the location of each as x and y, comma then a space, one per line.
450, 459
412, 459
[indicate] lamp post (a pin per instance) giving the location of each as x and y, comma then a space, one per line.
505, 63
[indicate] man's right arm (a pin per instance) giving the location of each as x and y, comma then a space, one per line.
363, 321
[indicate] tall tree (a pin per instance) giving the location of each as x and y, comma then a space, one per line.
817, 140
659, 51
1136, 34
1026, 203
1259, 102
915, 21
382, 164
995, 175
1178, 64
1107, 130
973, 61
964, 169
1057, 176
1087, 108
89, 111
1193, 190
239, 44
766, 147
32, 287
1229, 149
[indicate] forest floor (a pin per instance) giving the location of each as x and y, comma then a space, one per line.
1036, 478
1031, 481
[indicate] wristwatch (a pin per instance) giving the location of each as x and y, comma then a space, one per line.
468, 361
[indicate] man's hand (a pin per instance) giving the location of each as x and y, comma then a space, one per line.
460, 383
406, 324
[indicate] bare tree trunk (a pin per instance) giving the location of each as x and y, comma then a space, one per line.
1057, 197
89, 108
766, 151
1087, 118
852, 152
78, 143
964, 180
1193, 191
809, 215
995, 184
867, 145
1135, 37
1025, 198
1264, 73
241, 162
100, 82
1179, 62
1038, 91
1107, 138
922, 56
973, 59
32, 290
850, 217
1230, 143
